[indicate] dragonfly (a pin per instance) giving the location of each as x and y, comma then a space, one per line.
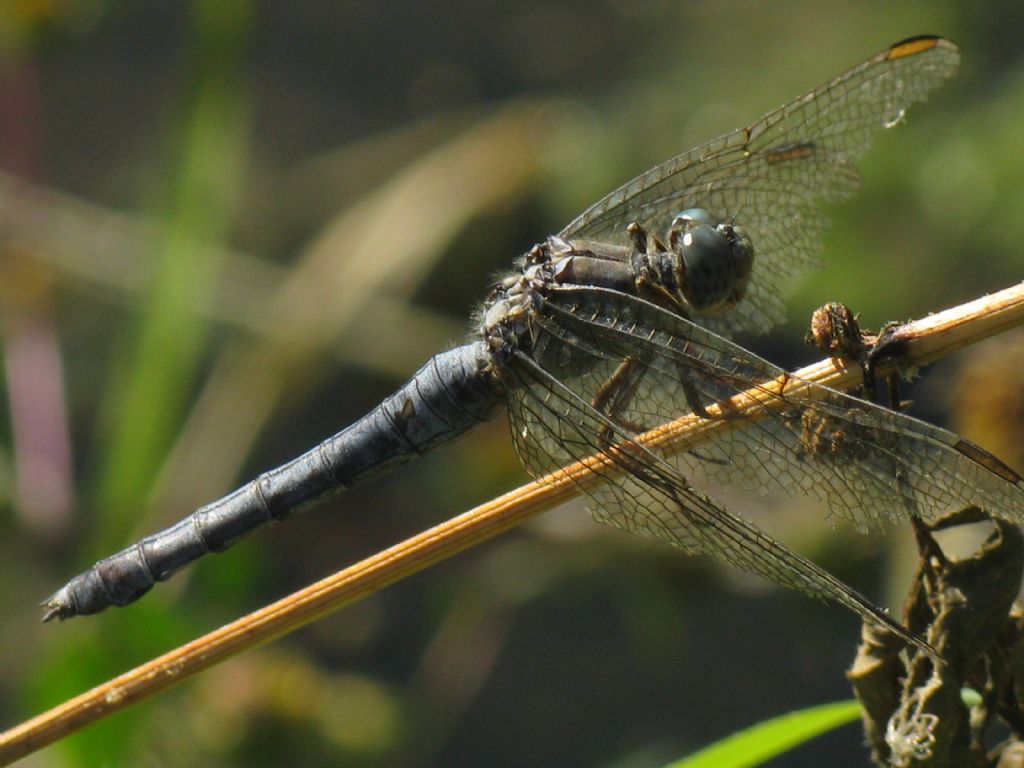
621, 322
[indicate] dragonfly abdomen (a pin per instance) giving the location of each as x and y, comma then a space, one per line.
453, 392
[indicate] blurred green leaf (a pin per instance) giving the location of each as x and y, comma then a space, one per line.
150, 388
764, 741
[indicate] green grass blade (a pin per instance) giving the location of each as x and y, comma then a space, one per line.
761, 742
150, 383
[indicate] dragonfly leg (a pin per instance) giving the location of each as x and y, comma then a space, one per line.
642, 240
637, 237
614, 396
693, 398
651, 286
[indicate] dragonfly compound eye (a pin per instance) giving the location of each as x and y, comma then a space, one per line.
716, 260
691, 217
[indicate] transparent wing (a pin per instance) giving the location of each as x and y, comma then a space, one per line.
641, 493
770, 178
870, 465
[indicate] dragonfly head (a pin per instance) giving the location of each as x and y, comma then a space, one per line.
715, 260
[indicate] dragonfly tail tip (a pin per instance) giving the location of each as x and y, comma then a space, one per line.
57, 606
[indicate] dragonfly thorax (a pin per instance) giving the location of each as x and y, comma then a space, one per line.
506, 319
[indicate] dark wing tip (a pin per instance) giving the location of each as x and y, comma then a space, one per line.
917, 44
980, 456
788, 152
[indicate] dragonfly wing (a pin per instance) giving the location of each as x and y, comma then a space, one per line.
770, 178
870, 465
634, 489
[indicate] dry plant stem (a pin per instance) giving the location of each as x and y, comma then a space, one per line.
913, 344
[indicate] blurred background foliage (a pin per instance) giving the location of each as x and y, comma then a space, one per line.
228, 229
